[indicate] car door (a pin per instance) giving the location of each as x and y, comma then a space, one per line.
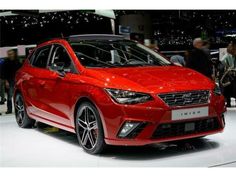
56, 86
34, 82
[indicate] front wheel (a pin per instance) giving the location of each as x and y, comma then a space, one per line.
22, 118
89, 128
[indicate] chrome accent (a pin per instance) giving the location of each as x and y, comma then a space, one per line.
185, 98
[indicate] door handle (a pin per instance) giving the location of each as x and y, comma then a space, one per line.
41, 83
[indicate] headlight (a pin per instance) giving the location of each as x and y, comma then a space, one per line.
217, 90
128, 97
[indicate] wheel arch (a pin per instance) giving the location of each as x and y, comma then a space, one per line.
16, 91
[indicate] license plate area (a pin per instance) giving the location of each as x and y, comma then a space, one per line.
189, 113
189, 127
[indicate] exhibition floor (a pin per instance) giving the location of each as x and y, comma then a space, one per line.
50, 147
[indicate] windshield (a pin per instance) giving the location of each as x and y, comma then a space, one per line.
119, 53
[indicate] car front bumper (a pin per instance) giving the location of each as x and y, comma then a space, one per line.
154, 114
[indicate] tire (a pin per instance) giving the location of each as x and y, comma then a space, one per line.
89, 128
197, 138
22, 118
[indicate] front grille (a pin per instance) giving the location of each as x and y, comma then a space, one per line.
185, 128
185, 98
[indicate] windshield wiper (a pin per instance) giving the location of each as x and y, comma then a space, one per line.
99, 61
135, 65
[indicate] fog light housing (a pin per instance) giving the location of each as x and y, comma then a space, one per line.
127, 128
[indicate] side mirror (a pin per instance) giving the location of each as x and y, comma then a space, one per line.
59, 68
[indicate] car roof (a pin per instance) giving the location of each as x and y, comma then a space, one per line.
83, 37
87, 37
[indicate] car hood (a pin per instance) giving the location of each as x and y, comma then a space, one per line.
152, 79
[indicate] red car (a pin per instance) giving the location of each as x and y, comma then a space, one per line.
113, 91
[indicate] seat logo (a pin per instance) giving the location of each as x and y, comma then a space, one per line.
187, 97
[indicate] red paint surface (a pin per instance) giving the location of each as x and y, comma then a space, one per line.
52, 100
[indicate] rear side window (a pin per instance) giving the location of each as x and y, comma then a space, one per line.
31, 56
40, 58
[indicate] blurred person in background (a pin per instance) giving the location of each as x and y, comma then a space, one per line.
229, 62
2, 84
206, 47
9, 68
198, 59
228, 56
177, 60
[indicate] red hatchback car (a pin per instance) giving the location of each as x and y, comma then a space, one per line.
109, 90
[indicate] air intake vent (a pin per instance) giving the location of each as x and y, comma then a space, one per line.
185, 128
185, 98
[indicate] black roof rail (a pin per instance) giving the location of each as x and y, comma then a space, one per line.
83, 37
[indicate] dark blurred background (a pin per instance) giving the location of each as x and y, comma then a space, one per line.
170, 29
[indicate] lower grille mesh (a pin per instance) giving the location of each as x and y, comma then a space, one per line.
185, 128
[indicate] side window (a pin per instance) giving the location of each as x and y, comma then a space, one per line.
61, 57
40, 57
31, 56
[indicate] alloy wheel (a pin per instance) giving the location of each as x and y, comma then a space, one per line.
87, 127
20, 110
